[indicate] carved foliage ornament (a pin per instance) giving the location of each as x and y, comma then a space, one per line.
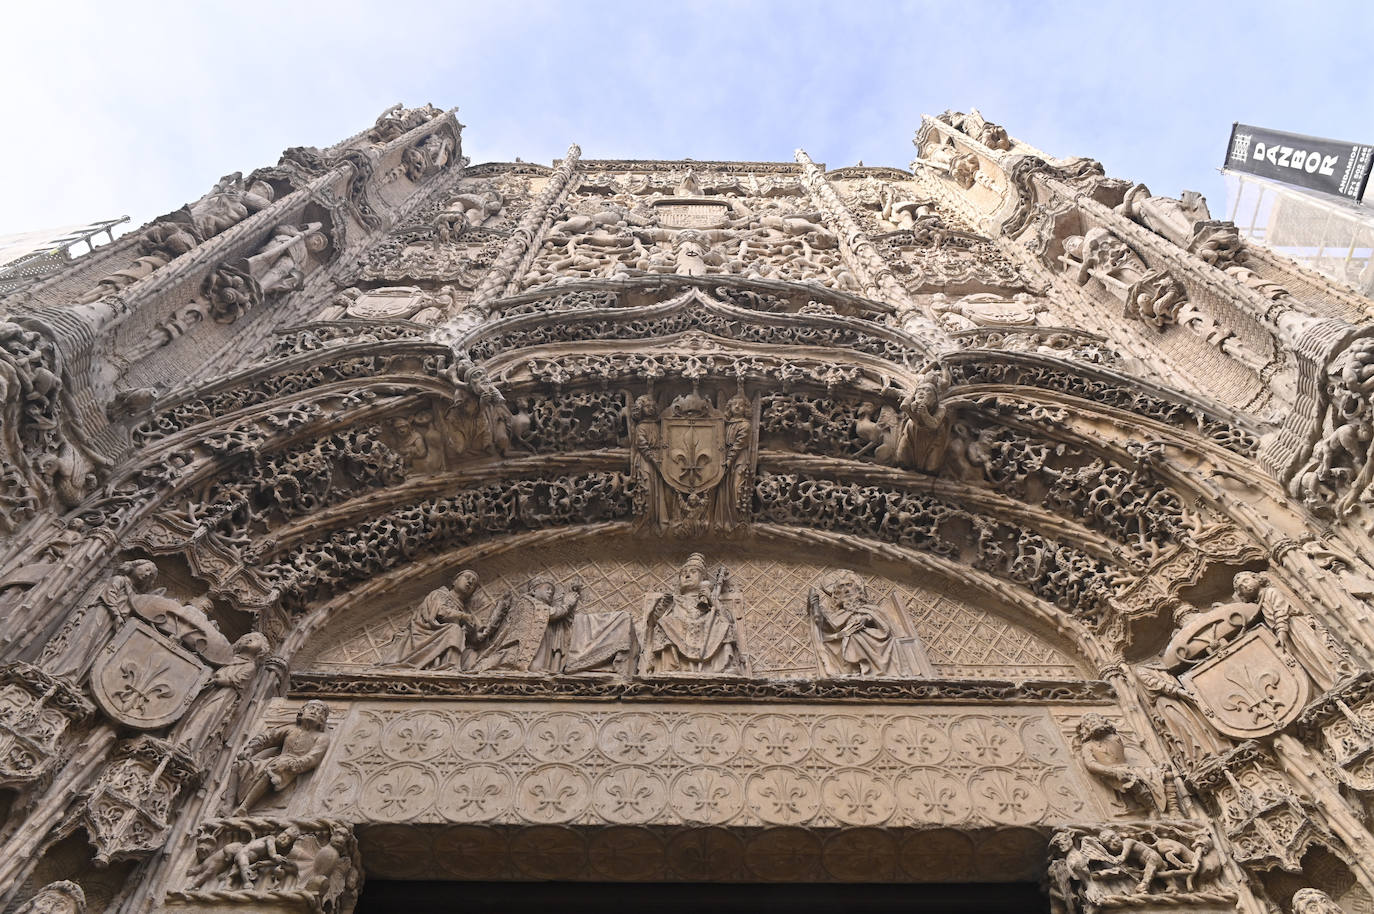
36, 711
128, 812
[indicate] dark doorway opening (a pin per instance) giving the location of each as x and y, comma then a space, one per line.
384, 897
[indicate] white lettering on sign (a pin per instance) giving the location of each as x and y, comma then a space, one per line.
1297, 159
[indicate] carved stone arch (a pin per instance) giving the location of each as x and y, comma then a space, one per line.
614, 543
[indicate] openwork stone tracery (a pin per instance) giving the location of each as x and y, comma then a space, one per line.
781, 523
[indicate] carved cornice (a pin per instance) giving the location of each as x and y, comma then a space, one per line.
407, 684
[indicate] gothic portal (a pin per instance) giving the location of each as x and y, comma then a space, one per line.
380, 519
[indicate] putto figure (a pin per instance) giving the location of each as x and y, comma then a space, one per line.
273, 760
691, 630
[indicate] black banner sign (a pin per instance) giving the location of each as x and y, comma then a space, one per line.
1330, 166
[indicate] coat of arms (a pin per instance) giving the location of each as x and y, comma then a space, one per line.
1252, 687
143, 680
692, 462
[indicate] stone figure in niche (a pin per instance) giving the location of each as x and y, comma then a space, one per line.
439, 634
476, 209
417, 442
1184, 726
527, 621
427, 156
247, 860
878, 426
1152, 296
1314, 901
272, 761
63, 897
974, 125
397, 121
962, 167
70, 474
925, 431
1185, 221
855, 635
1103, 752
691, 630
204, 723
692, 463
229, 203
280, 265
1324, 659
901, 210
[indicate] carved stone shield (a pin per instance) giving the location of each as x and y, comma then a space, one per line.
693, 453
1251, 688
143, 680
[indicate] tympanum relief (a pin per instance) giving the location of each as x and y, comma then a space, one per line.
582, 611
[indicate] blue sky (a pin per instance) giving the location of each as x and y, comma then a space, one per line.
135, 108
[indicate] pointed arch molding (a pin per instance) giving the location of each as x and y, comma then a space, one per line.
356, 448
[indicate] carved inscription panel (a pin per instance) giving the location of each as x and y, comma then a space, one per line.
556, 763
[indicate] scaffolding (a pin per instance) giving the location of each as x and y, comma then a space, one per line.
29, 256
1333, 236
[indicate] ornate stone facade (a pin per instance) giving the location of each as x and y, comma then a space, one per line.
382, 516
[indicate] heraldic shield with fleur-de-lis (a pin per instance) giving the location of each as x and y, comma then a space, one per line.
693, 453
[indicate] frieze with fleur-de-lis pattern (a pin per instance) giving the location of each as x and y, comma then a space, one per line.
647, 763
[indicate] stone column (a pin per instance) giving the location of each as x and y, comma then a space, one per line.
521, 244
860, 253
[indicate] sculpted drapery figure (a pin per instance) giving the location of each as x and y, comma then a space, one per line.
690, 630
70, 653
852, 634
438, 635
525, 622
205, 721
273, 760
558, 610
925, 430
1325, 660
1103, 751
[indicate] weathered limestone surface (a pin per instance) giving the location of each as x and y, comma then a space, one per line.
382, 515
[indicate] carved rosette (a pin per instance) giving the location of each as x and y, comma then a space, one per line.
262, 865
128, 813
36, 711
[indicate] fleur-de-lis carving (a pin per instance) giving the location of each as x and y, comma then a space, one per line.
489, 736
399, 792
859, 797
1254, 695
414, 738
141, 686
473, 796
847, 739
629, 792
552, 797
